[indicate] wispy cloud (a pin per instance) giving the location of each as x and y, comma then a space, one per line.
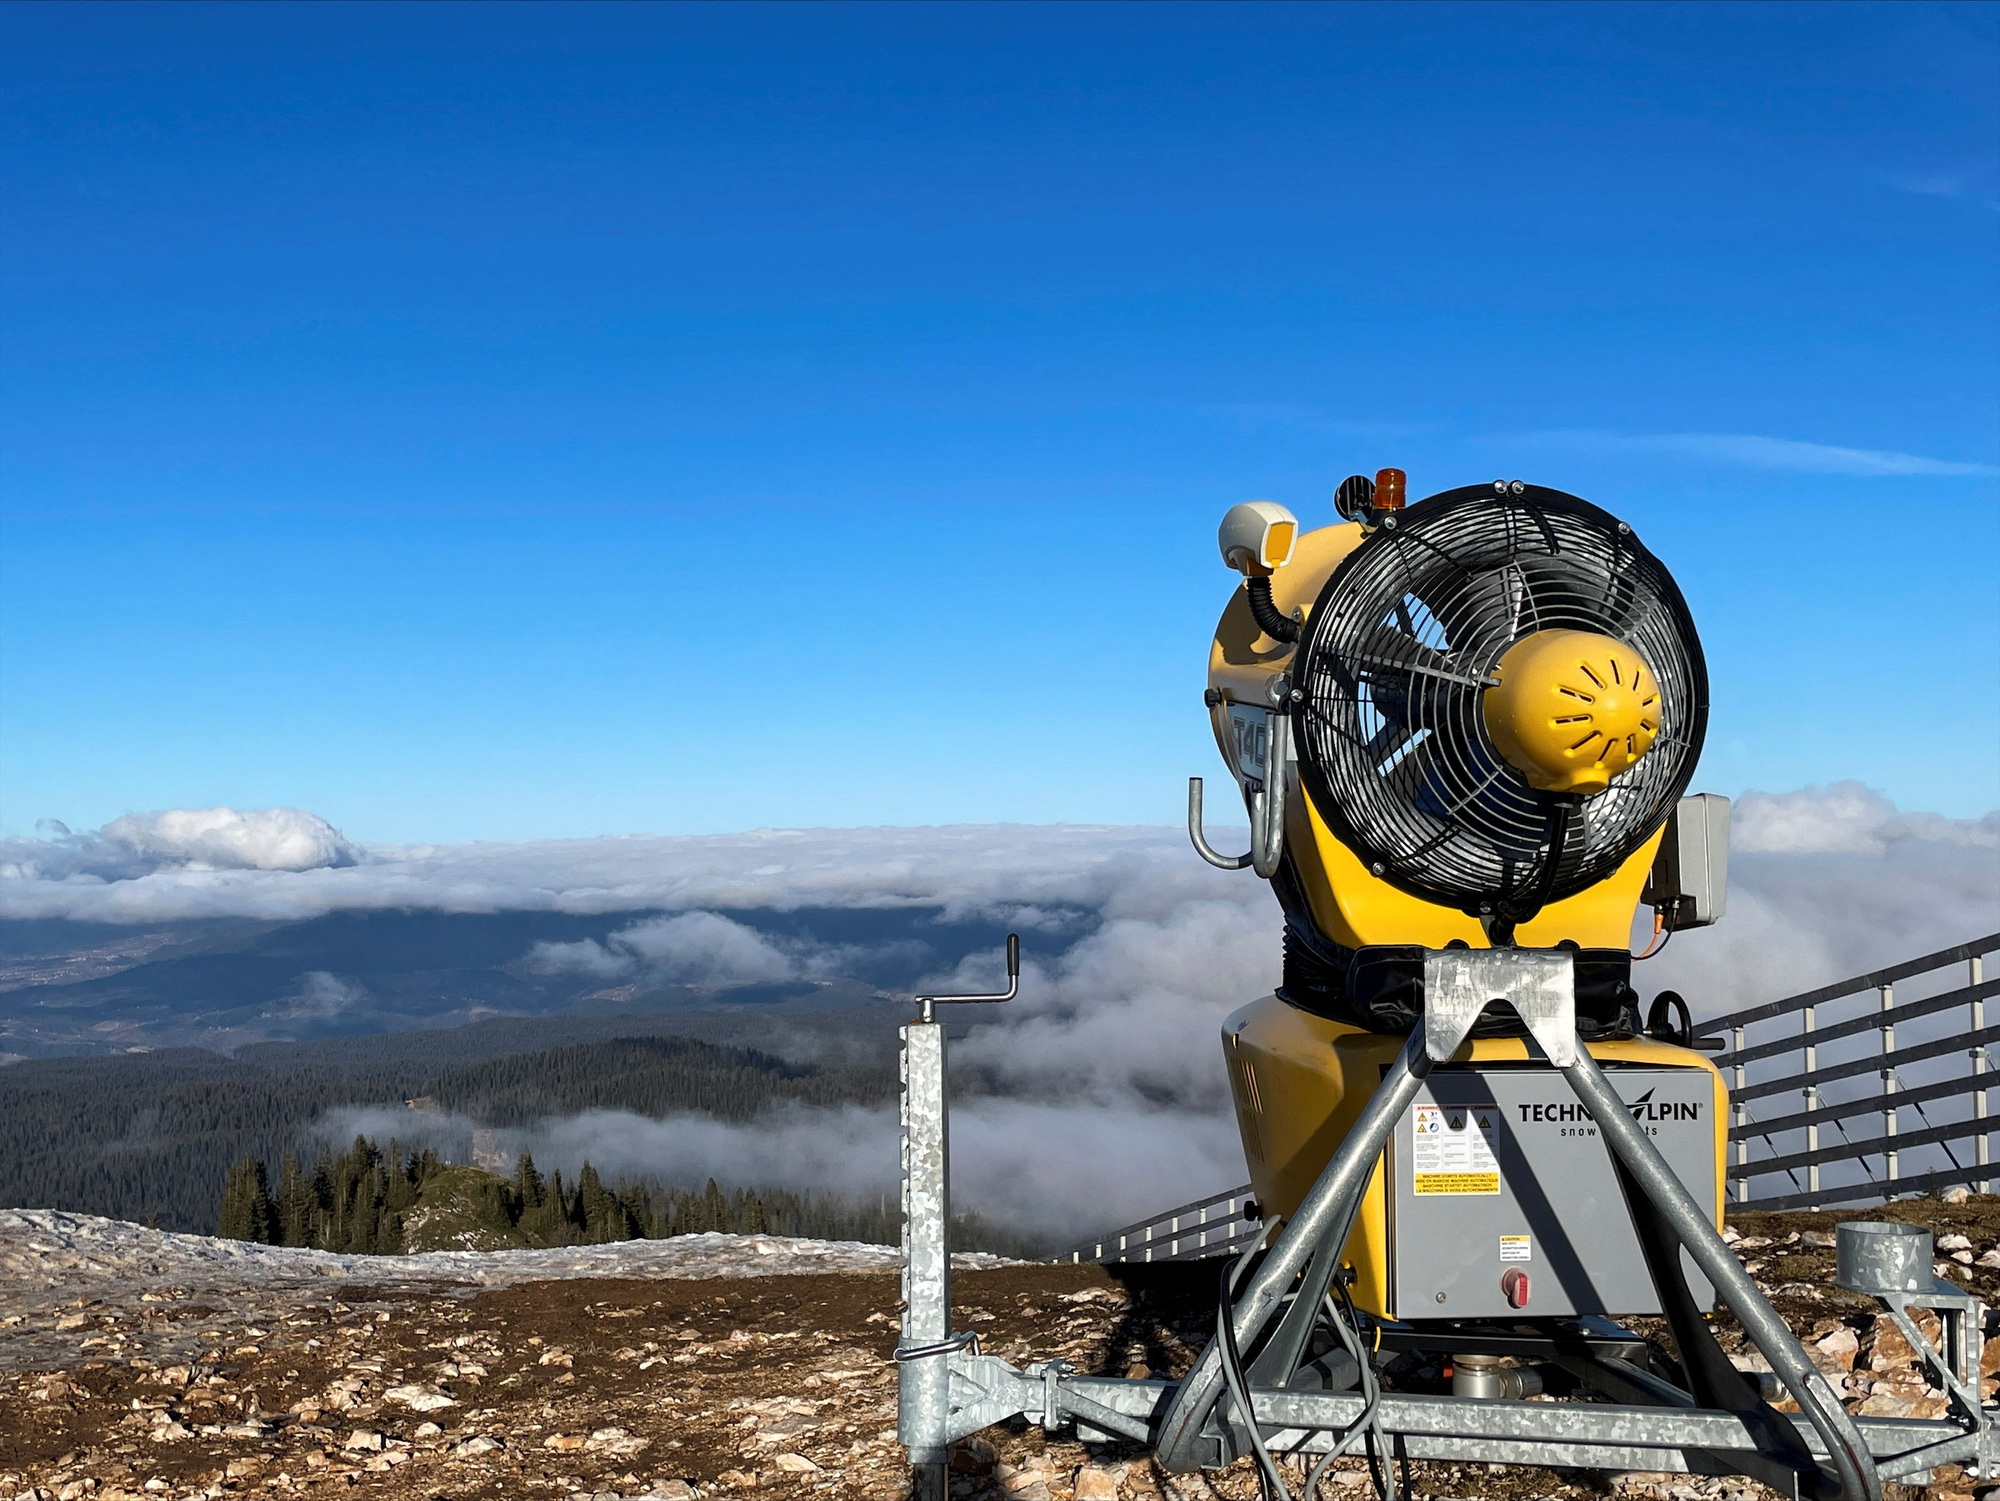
1750, 451
1966, 182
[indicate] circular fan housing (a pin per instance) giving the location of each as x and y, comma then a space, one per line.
1428, 637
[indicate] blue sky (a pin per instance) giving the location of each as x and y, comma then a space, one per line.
494, 422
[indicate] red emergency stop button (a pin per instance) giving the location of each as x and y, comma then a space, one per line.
1514, 1287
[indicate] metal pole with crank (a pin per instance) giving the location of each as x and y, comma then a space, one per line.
923, 1408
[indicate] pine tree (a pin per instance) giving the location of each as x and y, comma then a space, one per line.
295, 1205
321, 1190
529, 1189
246, 1212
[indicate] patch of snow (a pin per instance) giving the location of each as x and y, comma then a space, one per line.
47, 1253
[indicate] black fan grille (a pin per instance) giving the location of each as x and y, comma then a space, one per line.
1392, 746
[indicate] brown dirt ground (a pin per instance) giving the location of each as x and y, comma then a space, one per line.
683, 1389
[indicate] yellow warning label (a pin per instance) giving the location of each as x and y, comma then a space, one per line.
1451, 1149
1458, 1183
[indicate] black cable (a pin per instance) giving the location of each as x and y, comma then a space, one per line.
1512, 913
1268, 1478
1265, 612
1659, 949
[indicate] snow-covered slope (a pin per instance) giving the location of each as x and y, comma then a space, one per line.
48, 1256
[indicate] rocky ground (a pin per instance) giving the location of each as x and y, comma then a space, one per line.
135, 1364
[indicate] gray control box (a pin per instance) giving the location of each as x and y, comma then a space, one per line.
1500, 1184
1689, 881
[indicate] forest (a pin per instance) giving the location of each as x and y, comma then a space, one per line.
369, 1201
150, 1137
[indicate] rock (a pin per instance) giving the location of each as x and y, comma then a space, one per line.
736, 1479
795, 1464
241, 1469
475, 1446
1023, 1483
615, 1441
419, 1398
1836, 1352
1818, 1240
428, 1430
1643, 1483
1989, 1259
1957, 1194
1891, 1349
564, 1443
972, 1456
1891, 1403
1098, 1482
364, 1440
670, 1490
1953, 1243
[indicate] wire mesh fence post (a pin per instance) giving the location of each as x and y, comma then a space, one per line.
1889, 1085
1811, 1093
1976, 973
1741, 1113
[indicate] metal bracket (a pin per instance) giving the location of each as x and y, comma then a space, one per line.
1459, 984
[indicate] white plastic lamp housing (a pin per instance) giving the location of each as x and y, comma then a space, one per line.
1256, 537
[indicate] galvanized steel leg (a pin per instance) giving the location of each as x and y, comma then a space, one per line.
924, 1391
1323, 1218
1851, 1460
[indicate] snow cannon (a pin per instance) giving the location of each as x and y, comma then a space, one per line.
1464, 725
1463, 730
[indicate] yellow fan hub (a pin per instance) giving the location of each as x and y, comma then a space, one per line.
1572, 709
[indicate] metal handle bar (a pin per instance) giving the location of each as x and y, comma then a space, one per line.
1201, 844
1013, 984
1267, 810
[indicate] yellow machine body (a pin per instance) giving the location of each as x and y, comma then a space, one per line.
1300, 1080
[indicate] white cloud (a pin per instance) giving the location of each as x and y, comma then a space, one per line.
692, 948
1845, 818
1011, 872
1057, 1170
1751, 451
323, 996
196, 840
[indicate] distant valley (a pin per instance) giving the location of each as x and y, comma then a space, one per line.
147, 1060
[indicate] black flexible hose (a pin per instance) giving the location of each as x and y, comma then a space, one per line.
1265, 613
1523, 909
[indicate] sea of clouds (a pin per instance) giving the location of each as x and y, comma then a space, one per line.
1110, 1101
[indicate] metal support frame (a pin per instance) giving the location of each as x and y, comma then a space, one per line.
1651, 1424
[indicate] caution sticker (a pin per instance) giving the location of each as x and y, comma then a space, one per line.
1452, 1149
1516, 1248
